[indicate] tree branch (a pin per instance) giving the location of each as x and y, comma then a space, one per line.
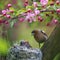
44, 10
52, 47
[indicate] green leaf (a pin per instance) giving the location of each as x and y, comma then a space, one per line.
54, 7
20, 11
11, 8
29, 7
11, 24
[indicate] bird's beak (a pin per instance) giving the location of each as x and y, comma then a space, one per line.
32, 33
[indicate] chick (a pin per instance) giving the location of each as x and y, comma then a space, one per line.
40, 36
25, 43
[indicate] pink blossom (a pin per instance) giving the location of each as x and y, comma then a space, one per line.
43, 2
29, 20
9, 5
40, 18
36, 12
21, 19
6, 22
27, 17
30, 17
26, 4
8, 16
58, 10
7, 10
57, 2
4, 11
35, 4
54, 21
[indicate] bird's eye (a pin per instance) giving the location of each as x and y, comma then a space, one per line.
33, 31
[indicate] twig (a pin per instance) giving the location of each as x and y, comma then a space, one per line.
44, 10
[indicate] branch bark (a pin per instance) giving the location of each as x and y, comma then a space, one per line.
52, 47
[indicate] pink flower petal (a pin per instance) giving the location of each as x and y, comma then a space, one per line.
35, 4
9, 5
21, 19
36, 12
58, 10
43, 2
8, 16
4, 11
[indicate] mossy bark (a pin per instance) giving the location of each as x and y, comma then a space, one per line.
52, 46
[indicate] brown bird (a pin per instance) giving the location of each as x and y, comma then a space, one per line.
40, 36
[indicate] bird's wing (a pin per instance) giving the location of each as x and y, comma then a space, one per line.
44, 33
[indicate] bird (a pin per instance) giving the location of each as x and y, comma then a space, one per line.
40, 36
25, 43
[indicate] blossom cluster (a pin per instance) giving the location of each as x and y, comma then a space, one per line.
32, 15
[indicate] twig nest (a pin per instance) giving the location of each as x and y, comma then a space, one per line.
18, 52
